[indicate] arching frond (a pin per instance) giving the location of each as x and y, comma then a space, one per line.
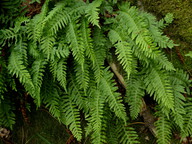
74, 38
135, 92
38, 68
96, 116
82, 75
187, 131
157, 84
107, 86
72, 117
47, 44
123, 51
92, 12
126, 134
163, 129
17, 68
6, 114
77, 95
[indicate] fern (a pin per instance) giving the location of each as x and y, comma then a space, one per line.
123, 50
73, 36
92, 12
72, 117
96, 116
61, 57
187, 121
126, 135
37, 77
134, 94
6, 114
16, 67
162, 90
113, 98
163, 129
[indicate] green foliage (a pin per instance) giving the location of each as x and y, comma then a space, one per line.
59, 57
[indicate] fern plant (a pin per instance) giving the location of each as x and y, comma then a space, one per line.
60, 57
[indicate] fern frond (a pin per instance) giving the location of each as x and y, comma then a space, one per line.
18, 22
187, 131
126, 135
50, 96
153, 25
58, 68
6, 114
8, 35
180, 77
163, 62
123, 50
179, 107
77, 95
137, 28
72, 117
56, 19
96, 116
74, 38
82, 75
61, 73
108, 88
38, 68
158, 84
17, 68
92, 12
47, 44
87, 41
37, 24
134, 95
163, 129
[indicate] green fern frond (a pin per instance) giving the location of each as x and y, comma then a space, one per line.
8, 35
137, 28
47, 44
18, 22
153, 25
59, 21
87, 41
92, 12
108, 88
16, 67
62, 51
123, 51
38, 68
187, 131
134, 95
179, 107
158, 84
61, 73
77, 95
74, 38
180, 77
72, 117
50, 96
21, 48
163, 129
82, 75
6, 114
58, 69
96, 116
163, 62
126, 134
